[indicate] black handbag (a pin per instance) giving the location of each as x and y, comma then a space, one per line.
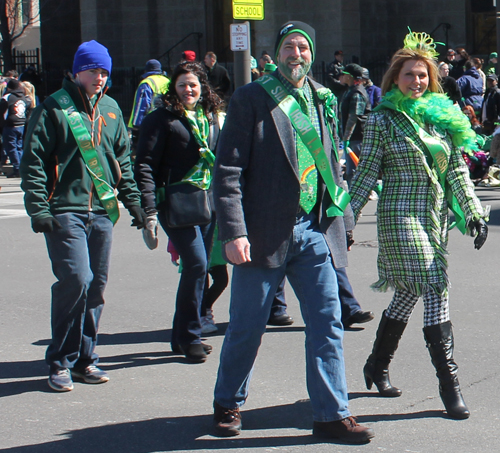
187, 205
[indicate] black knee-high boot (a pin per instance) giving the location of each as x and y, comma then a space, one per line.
376, 370
439, 339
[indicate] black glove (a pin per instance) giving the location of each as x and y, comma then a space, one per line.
45, 225
139, 216
350, 239
480, 230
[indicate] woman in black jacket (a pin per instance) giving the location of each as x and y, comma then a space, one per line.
176, 144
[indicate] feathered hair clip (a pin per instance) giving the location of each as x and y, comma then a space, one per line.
421, 42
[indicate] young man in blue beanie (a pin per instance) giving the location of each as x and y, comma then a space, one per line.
76, 159
280, 138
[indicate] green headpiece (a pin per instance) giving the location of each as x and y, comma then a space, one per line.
422, 43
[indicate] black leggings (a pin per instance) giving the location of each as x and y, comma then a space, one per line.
220, 280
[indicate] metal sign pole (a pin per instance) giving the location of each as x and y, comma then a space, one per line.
242, 71
243, 10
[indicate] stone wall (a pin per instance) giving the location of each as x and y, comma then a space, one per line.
325, 16
384, 24
136, 31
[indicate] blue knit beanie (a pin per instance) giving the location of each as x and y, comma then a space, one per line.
91, 55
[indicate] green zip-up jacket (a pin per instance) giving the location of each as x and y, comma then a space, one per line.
55, 178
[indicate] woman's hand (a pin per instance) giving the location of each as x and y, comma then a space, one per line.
238, 251
480, 230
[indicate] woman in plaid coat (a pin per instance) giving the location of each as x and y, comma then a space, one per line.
414, 138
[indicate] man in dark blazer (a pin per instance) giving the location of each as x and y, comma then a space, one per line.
270, 230
490, 112
218, 76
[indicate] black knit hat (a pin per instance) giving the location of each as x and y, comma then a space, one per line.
355, 70
13, 84
153, 66
296, 26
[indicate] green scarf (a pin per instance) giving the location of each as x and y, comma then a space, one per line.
201, 174
438, 110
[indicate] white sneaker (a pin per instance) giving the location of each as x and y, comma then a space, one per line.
208, 322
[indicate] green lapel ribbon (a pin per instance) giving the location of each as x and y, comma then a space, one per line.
440, 153
83, 139
329, 101
306, 132
201, 174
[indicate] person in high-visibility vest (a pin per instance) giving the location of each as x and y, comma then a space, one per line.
153, 83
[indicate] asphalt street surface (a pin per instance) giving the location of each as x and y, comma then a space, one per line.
155, 401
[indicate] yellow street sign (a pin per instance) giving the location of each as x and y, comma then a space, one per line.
248, 9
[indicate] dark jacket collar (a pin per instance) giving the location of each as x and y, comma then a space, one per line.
79, 96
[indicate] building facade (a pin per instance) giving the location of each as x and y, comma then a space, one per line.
368, 31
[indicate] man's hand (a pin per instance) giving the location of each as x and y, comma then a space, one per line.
45, 225
238, 251
139, 216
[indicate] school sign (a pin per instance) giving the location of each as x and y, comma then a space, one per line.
248, 9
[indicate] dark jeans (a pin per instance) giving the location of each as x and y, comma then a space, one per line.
13, 145
193, 245
350, 166
278, 307
349, 303
80, 254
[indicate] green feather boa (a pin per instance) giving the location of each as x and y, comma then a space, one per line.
438, 110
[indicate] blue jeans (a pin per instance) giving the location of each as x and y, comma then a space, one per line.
13, 145
349, 303
308, 266
193, 245
80, 254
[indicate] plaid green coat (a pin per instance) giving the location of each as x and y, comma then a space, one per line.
412, 213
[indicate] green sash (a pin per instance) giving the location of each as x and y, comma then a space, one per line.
83, 139
440, 153
307, 133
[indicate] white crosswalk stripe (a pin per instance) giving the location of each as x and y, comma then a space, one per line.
11, 205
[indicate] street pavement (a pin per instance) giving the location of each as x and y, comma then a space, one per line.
157, 402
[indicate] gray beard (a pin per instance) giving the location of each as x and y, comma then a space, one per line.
295, 74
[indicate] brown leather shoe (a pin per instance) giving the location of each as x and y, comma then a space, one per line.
227, 422
346, 430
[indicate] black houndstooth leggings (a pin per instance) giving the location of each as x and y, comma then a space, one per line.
436, 307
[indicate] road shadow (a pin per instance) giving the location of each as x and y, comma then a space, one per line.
121, 338
24, 372
193, 433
